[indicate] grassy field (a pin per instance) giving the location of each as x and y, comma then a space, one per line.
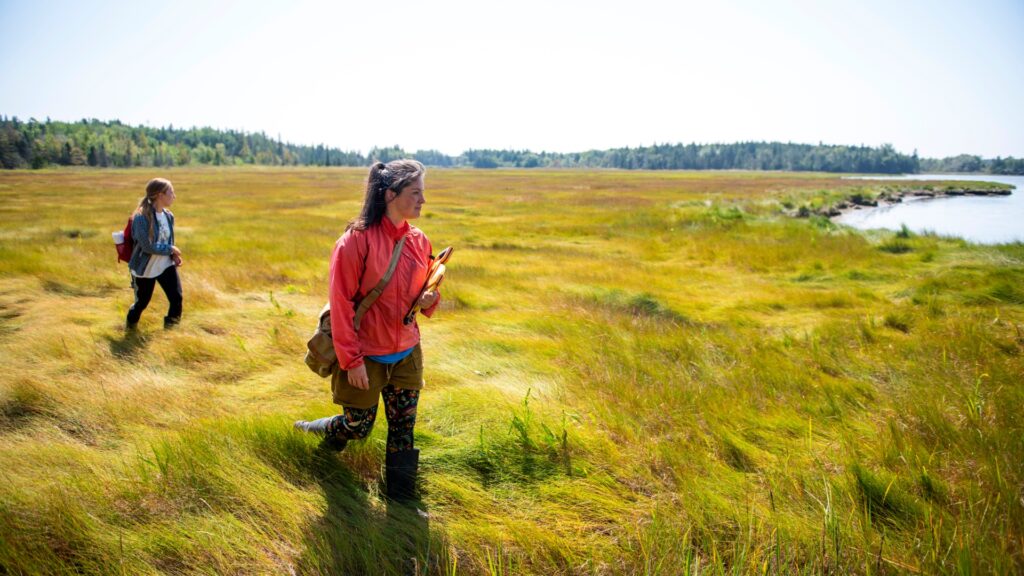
630, 373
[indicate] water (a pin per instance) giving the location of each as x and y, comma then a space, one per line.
980, 219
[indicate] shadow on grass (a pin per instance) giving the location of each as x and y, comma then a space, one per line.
510, 460
62, 289
410, 524
127, 346
356, 533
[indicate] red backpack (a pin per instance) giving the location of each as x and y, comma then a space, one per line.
124, 249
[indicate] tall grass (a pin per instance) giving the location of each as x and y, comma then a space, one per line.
630, 373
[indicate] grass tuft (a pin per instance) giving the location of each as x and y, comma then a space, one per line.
898, 321
883, 498
1007, 293
25, 399
895, 246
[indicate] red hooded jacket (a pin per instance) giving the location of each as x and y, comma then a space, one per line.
381, 330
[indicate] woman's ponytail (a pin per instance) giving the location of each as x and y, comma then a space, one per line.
380, 179
394, 175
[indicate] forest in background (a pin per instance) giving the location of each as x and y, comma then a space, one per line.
90, 142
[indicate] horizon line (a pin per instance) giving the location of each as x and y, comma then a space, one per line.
170, 126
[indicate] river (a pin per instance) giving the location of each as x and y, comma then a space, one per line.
980, 219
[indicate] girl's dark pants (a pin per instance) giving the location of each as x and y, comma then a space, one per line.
171, 285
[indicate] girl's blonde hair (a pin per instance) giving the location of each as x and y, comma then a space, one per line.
154, 188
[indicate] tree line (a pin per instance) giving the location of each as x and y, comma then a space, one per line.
38, 144
35, 144
970, 163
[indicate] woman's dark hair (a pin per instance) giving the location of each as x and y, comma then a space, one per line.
394, 175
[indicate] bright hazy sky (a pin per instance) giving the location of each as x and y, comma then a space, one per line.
941, 77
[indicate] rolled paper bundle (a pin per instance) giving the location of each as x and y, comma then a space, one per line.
443, 257
436, 271
435, 274
435, 278
433, 281
430, 274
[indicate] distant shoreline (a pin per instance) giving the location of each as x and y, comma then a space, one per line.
889, 198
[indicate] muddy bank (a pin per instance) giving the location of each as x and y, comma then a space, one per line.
889, 196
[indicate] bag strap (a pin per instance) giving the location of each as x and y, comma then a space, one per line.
370, 298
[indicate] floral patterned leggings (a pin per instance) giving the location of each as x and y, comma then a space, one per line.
400, 410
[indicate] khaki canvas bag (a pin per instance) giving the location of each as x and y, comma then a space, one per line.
320, 355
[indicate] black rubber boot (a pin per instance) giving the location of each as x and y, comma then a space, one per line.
171, 321
400, 475
320, 428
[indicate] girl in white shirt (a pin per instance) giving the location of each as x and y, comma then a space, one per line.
155, 258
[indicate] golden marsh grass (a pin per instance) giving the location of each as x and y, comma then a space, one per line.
631, 373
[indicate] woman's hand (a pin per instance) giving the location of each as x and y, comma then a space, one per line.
175, 252
357, 377
176, 258
427, 299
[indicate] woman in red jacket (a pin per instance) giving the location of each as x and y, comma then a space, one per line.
381, 356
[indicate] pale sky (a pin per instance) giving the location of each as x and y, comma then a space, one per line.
942, 77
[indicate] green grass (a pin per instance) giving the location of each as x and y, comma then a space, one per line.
630, 373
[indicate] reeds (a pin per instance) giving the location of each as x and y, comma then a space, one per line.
630, 373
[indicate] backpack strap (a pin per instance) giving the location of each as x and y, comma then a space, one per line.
370, 298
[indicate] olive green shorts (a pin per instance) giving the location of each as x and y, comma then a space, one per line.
406, 373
